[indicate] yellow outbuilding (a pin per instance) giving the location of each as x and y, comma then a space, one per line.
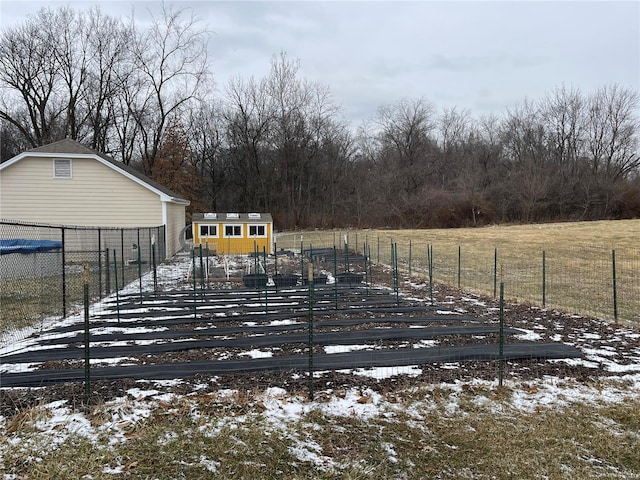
233, 233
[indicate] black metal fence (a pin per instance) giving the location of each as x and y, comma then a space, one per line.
36, 285
336, 321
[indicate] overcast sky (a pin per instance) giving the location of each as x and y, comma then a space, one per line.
476, 55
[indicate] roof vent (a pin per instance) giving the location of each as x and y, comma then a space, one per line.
210, 215
254, 215
233, 215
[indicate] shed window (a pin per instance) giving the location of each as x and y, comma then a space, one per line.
233, 230
208, 230
257, 230
61, 168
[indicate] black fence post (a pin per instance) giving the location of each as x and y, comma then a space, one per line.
99, 263
195, 297
87, 369
310, 327
115, 268
201, 270
501, 337
430, 271
140, 271
275, 260
107, 279
495, 271
266, 281
459, 264
544, 278
335, 277
122, 256
64, 277
151, 237
153, 260
615, 289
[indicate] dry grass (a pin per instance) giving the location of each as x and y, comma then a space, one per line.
578, 260
415, 436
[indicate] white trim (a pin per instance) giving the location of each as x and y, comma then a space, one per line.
224, 230
256, 226
200, 225
165, 213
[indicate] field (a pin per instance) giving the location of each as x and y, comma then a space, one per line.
568, 266
571, 418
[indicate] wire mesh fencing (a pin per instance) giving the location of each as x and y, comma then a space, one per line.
582, 279
339, 323
41, 269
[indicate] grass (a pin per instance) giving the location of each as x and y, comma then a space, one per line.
415, 435
578, 261
26, 301
421, 431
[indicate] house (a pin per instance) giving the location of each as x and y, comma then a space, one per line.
66, 183
233, 233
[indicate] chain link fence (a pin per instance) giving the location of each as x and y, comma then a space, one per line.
41, 269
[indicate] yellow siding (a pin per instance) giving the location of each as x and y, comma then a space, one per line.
233, 246
121, 202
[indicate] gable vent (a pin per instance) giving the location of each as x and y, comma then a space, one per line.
61, 168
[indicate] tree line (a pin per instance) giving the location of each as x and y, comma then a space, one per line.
145, 96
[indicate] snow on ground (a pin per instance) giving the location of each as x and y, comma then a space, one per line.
58, 420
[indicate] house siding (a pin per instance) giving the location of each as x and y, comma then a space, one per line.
121, 202
175, 226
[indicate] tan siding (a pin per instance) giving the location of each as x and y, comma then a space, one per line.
96, 195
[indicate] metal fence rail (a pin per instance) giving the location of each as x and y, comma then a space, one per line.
40, 285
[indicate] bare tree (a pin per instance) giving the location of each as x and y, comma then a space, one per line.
110, 66
248, 117
407, 127
206, 137
303, 112
28, 75
563, 116
614, 130
172, 72
407, 155
453, 129
527, 155
61, 72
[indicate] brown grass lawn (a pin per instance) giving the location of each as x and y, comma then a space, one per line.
576, 259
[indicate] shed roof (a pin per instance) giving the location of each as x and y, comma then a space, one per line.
232, 217
73, 148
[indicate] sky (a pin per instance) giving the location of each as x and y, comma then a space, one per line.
479, 56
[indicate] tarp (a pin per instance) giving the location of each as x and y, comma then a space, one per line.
28, 246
